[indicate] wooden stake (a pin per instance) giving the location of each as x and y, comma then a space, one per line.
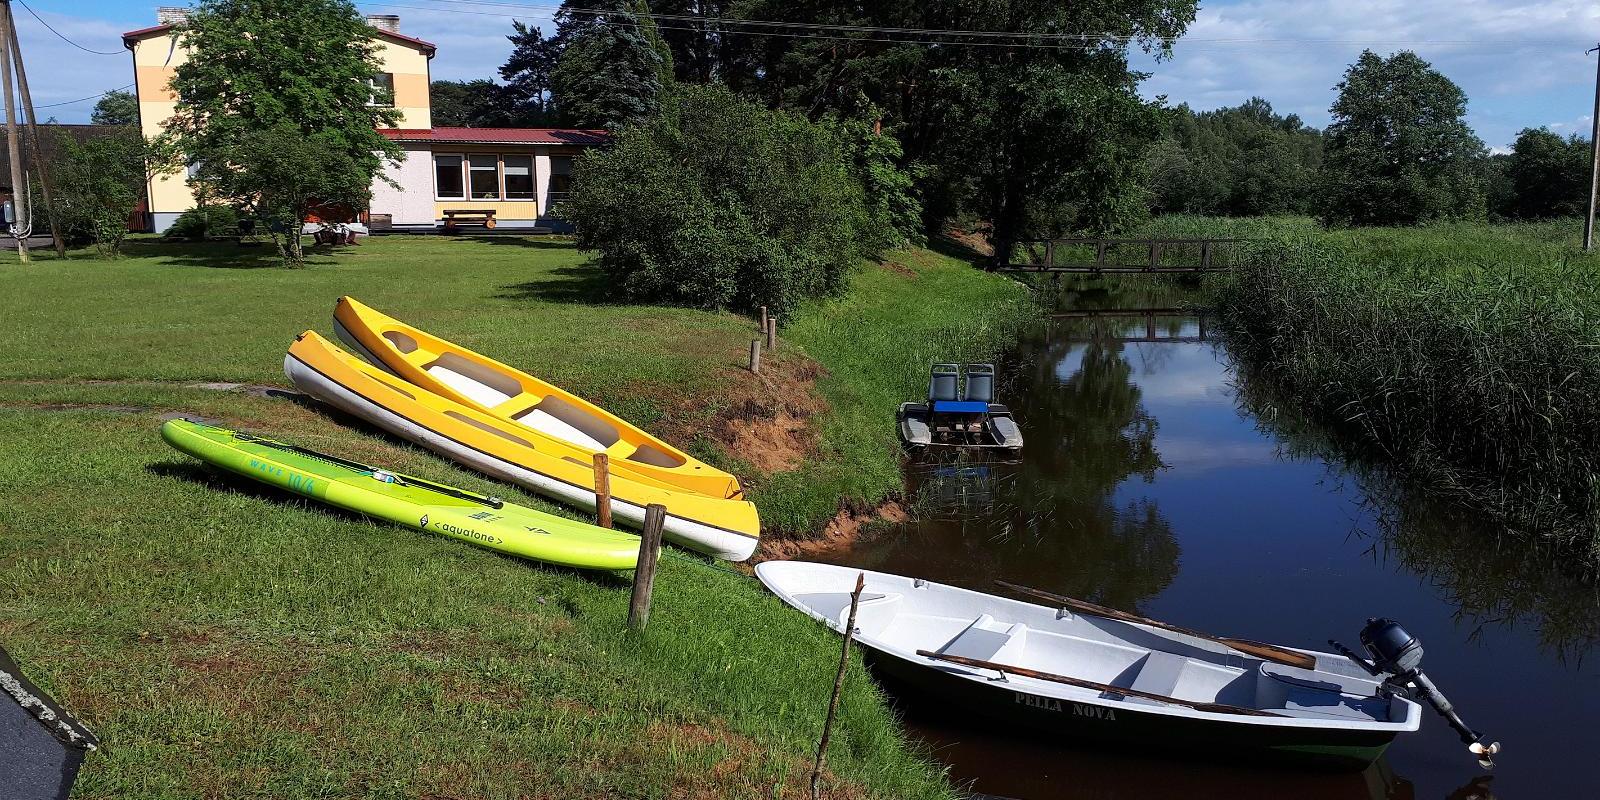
838, 686
772, 334
644, 576
763, 328
755, 356
19, 201
33, 138
602, 490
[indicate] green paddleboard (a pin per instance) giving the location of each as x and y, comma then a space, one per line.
405, 500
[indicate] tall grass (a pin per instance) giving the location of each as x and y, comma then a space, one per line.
1468, 355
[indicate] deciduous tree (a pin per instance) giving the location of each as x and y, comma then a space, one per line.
116, 107
1549, 175
277, 109
1399, 151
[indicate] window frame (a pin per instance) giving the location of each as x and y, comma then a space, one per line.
373, 100
532, 195
499, 178
461, 167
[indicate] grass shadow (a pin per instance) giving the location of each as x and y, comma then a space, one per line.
582, 283
544, 242
221, 254
217, 479
951, 247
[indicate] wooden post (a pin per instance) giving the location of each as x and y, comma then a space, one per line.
838, 687
755, 356
602, 490
19, 189
1150, 326
644, 576
763, 328
772, 334
1050, 254
33, 138
1205, 256
1155, 256
1099, 255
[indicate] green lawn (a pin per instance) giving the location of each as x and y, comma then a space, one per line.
227, 640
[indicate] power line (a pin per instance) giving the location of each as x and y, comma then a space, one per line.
937, 32
64, 38
90, 97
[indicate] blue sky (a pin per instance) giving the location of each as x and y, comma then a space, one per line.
1522, 64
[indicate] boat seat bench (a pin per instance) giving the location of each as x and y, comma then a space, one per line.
1160, 673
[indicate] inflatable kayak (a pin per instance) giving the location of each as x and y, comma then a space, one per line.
723, 527
565, 422
405, 500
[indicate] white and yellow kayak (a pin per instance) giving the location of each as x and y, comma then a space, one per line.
547, 414
723, 527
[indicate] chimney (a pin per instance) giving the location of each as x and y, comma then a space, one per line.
172, 15
385, 22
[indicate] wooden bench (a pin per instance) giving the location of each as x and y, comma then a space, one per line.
456, 217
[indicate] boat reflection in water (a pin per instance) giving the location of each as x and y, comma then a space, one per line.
1160, 480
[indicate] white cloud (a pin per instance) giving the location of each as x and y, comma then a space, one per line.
1513, 60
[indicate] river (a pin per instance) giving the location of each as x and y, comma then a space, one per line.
1159, 480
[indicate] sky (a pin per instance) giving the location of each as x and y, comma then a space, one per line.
1522, 64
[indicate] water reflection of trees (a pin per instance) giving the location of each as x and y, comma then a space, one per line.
1489, 576
1052, 520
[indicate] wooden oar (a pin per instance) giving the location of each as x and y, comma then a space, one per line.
1266, 652
1215, 708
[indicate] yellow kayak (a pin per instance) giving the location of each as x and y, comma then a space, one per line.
723, 527
548, 414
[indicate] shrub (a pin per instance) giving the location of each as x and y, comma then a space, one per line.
99, 182
205, 221
720, 203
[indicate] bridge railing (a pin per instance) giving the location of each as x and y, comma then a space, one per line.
1101, 255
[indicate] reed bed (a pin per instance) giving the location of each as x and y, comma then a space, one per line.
1466, 355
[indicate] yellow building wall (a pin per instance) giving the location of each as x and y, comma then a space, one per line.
156, 59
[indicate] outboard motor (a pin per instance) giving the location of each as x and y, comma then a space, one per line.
1398, 655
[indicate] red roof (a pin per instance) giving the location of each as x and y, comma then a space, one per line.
578, 136
427, 47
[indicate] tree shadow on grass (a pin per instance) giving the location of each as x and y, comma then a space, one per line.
220, 255
583, 283
529, 241
216, 479
951, 247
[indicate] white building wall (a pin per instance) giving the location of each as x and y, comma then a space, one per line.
412, 202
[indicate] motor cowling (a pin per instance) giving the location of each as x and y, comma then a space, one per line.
1392, 649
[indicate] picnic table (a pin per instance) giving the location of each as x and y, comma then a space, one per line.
456, 217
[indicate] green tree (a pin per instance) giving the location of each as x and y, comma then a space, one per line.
527, 72
1242, 161
1549, 175
1399, 151
99, 181
479, 103
116, 107
613, 65
1038, 136
275, 109
719, 203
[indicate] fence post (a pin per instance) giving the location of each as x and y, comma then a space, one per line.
602, 490
1205, 256
772, 334
1155, 256
644, 575
763, 328
1050, 254
1099, 255
755, 355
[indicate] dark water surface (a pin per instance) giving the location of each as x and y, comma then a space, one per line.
1156, 479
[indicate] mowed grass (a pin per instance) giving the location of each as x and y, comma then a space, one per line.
228, 640
1467, 355
877, 342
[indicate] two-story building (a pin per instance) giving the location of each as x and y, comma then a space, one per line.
515, 172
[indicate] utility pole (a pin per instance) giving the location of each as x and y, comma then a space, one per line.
1594, 157
33, 135
19, 191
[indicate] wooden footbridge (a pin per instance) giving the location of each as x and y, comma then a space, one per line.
1096, 256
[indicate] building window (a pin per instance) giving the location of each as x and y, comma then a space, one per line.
560, 178
519, 177
485, 179
447, 178
382, 90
